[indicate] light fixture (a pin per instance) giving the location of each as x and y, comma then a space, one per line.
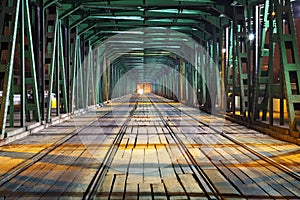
251, 36
140, 91
223, 50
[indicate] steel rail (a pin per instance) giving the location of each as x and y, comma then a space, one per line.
95, 184
200, 174
250, 149
43, 153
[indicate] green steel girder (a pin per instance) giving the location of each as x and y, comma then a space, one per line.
69, 12
52, 69
201, 15
79, 78
290, 62
62, 85
57, 75
32, 81
7, 68
186, 18
88, 28
28, 78
96, 21
264, 79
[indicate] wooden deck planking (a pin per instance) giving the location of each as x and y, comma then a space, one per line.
174, 189
191, 186
159, 192
151, 167
131, 192
105, 189
28, 180
51, 179
118, 187
145, 192
165, 163
149, 164
220, 182
253, 169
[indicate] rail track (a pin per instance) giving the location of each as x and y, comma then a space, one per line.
18, 169
205, 183
98, 176
225, 134
37, 157
97, 180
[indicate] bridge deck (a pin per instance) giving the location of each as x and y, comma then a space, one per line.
148, 147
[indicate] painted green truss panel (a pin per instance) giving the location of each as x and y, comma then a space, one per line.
15, 20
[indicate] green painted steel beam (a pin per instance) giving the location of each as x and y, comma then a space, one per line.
69, 12
8, 66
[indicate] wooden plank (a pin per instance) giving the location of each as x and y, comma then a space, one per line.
201, 159
159, 191
69, 174
83, 176
222, 185
151, 167
131, 191
118, 189
119, 164
46, 176
18, 186
174, 189
136, 163
245, 185
278, 182
145, 191
165, 163
174, 160
105, 189
191, 186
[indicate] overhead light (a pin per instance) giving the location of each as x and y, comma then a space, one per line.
234, 3
223, 50
141, 91
140, 8
251, 36
126, 42
124, 32
119, 17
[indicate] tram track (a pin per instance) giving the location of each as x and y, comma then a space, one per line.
43, 153
204, 182
94, 183
98, 178
272, 162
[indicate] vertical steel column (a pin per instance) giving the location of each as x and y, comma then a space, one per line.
73, 71
79, 76
106, 79
216, 86
203, 70
242, 56
87, 62
231, 66
224, 58
22, 62
98, 76
52, 70
263, 84
32, 81
182, 70
62, 84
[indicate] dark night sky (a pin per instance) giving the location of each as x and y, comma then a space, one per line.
296, 8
